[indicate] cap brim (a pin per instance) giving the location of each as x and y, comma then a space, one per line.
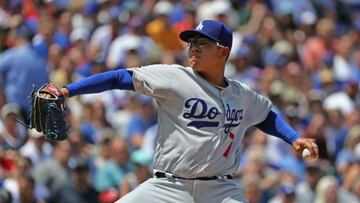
187, 34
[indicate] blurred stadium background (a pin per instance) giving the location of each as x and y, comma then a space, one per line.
303, 55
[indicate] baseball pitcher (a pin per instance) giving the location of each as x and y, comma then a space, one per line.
202, 119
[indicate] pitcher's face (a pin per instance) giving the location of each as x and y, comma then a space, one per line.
203, 52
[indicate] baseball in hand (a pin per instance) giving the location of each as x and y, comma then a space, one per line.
307, 155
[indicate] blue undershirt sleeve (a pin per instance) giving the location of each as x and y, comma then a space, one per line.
276, 126
116, 79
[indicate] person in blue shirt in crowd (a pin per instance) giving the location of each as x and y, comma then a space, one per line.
20, 68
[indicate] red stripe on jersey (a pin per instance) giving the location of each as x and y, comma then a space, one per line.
231, 135
227, 151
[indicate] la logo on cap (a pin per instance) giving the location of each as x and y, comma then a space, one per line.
200, 26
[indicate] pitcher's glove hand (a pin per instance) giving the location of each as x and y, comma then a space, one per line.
47, 112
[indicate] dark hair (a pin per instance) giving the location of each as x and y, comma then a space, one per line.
29, 178
313, 170
80, 164
23, 32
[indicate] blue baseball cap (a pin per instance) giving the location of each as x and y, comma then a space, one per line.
211, 29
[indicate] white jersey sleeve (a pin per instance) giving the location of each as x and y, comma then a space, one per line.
154, 80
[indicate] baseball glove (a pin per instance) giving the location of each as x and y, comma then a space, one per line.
47, 112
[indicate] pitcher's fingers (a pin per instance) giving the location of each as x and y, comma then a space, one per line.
316, 148
310, 145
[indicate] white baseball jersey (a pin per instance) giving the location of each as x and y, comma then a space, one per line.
200, 126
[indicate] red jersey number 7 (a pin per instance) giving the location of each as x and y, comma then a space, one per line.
227, 151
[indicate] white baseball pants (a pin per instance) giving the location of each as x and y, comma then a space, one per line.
170, 190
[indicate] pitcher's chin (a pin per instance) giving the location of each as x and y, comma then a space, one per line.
193, 63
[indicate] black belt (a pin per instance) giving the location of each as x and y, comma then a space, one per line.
163, 175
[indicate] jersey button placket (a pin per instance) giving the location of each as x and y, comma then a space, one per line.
221, 106
223, 101
229, 135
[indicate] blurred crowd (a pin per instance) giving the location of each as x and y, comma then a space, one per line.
303, 55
